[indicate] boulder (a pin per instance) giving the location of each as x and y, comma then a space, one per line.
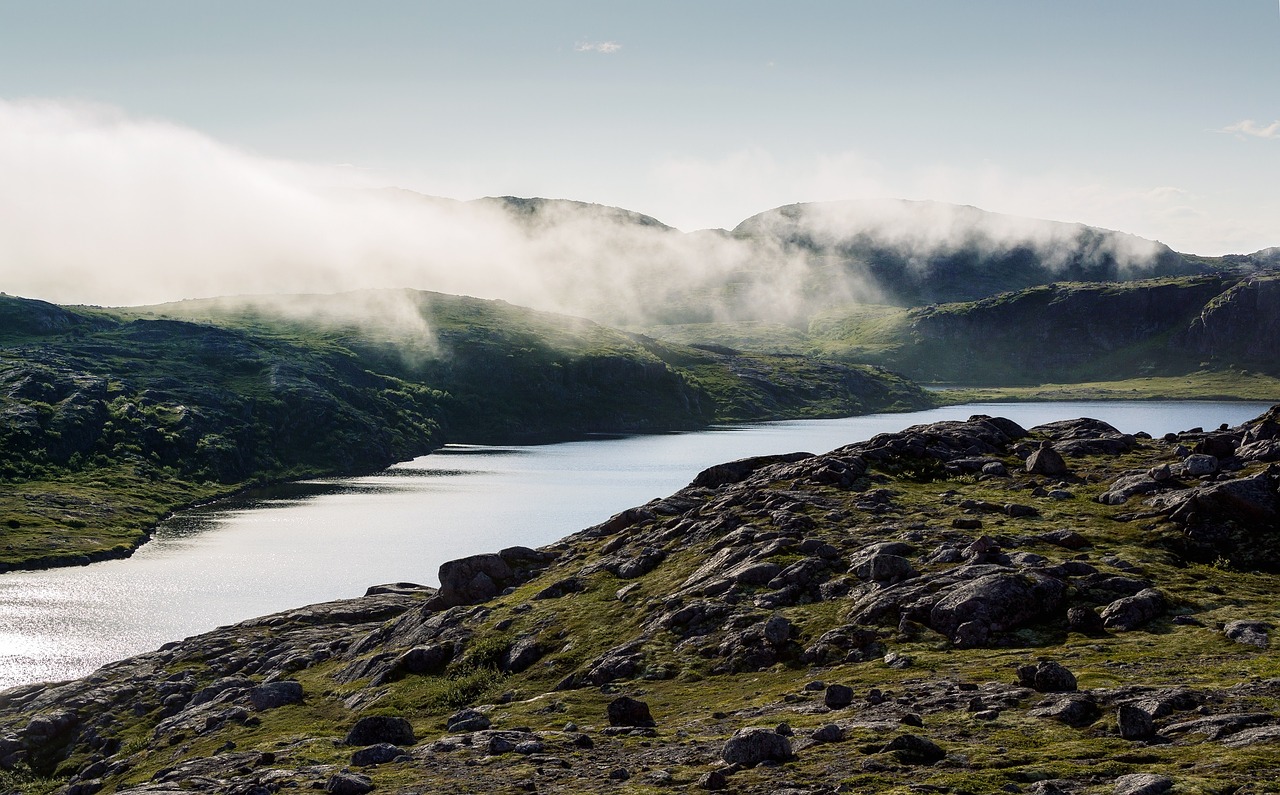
427, 659
998, 602
1130, 612
348, 784
375, 729
1134, 723
1250, 633
1075, 711
470, 580
751, 746
914, 749
883, 567
1047, 676
275, 694
1047, 461
1199, 465
740, 470
1084, 620
838, 696
523, 653
467, 720
377, 755
831, 733
627, 711
1142, 784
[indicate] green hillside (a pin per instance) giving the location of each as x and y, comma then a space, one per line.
110, 418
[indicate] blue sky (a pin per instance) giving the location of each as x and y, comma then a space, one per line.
1151, 116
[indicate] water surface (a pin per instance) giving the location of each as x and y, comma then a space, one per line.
329, 539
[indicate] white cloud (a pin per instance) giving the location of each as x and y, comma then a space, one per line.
603, 47
1252, 128
720, 191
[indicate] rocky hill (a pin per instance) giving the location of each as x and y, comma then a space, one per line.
960, 607
109, 419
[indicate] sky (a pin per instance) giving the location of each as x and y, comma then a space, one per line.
1156, 117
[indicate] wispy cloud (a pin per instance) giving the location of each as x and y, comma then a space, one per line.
1254, 129
602, 47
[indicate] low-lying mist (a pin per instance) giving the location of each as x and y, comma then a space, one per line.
100, 208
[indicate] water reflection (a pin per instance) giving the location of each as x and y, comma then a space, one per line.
277, 548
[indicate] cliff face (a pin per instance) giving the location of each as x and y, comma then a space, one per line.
1067, 332
966, 605
1240, 326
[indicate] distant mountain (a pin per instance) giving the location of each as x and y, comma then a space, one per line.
790, 263
915, 253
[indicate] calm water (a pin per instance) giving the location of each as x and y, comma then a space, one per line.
330, 539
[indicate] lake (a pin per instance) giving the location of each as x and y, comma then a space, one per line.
332, 538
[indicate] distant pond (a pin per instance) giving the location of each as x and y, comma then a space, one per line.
332, 538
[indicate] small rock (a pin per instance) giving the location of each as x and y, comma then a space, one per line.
626, 711
914, 749
1084, 620
348, 784
376, 755
467, 720
1143, 784
911, 719
714, 780
619, 774
831, 733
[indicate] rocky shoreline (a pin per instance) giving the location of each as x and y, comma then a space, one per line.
958, 607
